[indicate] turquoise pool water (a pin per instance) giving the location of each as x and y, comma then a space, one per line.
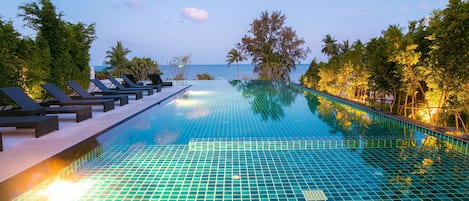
262, 140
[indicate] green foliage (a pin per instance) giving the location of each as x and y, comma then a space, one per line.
311, 77
141, 67
67, 44
274, 47
235, 56
449, 37
424, 70
10, 63
204, 76
22, 62
345, 74
117, 59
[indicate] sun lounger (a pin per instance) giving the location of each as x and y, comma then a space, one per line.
156, 79
29, 107
63, 99
134, 85
107, 91
41, 124
123, 99
121, 87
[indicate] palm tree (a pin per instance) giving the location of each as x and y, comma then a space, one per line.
235, 56
344, 47
117, 58
330, 47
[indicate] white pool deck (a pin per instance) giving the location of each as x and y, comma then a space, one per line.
21, 150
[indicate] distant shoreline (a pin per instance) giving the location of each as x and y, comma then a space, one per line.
220, 71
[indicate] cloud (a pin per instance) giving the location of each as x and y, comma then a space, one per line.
195, 14
135, 3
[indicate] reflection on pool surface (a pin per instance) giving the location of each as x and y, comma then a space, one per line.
262, 140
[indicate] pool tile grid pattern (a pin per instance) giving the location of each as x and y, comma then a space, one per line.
173, 172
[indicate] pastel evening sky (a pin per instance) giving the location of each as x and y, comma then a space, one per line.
208, 29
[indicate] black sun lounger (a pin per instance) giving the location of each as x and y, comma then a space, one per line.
29, 107
63, 99
123, 99
156, 79
41, 124
107, 91
134, 85
121, 87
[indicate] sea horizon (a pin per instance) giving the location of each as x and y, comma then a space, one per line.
219, 71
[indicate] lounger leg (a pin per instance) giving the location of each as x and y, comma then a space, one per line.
108, 106
84, 114
1, 142
138, 95
150, 91
124, 100
46, 126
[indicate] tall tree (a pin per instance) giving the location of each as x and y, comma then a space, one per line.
235, 56
385, 77
79, 39
9, 62
311, 78
67, 44
117, 58
329, 47
50, 29
274, 47
449, 55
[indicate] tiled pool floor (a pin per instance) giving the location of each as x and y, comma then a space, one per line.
174, 172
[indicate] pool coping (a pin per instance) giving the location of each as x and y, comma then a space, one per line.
26, 179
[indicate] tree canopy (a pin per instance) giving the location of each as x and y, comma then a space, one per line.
65, 45
59, 51
274, 47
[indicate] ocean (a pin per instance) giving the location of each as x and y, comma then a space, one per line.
221, 71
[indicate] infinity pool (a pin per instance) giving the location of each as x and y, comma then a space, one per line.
262, 140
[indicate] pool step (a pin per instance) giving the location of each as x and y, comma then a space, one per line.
314, 195
202, 144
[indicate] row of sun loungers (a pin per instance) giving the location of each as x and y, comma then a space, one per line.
31, 114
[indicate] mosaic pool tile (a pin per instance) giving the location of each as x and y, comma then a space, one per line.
173, 172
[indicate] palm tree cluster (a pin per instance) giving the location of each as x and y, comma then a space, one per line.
138, 67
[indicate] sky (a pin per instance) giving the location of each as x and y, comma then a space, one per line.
208, 29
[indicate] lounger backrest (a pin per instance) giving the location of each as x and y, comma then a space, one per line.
100, 85
21, 99
129, 81
77, 87
55, 91
115, 82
